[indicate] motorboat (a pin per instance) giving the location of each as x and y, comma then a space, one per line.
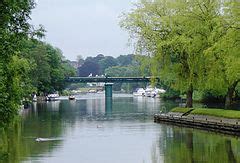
71, 97
139, 92
100, 92
156, 92
53, 97
34, 98
148, 92
92, 91
153, 92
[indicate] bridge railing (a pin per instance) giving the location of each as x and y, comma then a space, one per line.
108, 79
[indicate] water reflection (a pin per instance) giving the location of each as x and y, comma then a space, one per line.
192, 145
95, 129
108, 106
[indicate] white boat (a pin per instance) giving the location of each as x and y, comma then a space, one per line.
139, 92
100, 92
161, 90
53, 97
34, 98
71, 97
92, 91
156, 92
153, 92
148, 92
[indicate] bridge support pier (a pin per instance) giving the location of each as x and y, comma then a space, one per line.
108, 98
108, 90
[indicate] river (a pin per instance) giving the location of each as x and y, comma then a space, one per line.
85, 130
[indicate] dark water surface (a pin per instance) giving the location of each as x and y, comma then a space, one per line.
86, 131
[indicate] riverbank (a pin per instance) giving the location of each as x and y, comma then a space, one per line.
218, 120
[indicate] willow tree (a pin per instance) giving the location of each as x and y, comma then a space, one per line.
175, 34
223, 56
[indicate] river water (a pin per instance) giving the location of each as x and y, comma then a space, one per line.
90, 130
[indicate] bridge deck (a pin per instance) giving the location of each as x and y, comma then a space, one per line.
107, 79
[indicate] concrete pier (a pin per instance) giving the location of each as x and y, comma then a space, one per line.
108, 90
108, 98
216, 124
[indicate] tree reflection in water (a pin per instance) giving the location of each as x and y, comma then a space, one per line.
17, 142
129, 119
184, 145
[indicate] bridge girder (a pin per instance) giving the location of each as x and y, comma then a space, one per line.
108, 79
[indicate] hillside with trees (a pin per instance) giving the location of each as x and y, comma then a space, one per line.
106, 65
121, 66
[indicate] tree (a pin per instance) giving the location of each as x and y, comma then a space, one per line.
107, 62
14, 27
89, 67
125, 60
223, 56
26, 64
124, 71
175, 35
50, 65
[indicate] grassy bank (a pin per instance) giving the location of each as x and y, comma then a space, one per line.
233, 114
181, 110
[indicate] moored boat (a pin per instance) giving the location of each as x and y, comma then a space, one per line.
148, 92
139, 92
156, 92
52, 97
71, 97
34, 98
92, 91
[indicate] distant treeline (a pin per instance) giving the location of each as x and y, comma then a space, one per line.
121, 66
105, 65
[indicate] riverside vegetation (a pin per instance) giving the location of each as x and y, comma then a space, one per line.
27, 65
192, 45
232, 114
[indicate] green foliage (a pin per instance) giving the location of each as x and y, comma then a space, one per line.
107, 62
223, 56
232, 114
122, 66
170, 94
125, 60
181, 110
119, 71
191, 45
97, 65
48, 62
174, 39
14, 27
123, 71
13, 143
26, 65
189, 145
217, 113
69, 70
145, 65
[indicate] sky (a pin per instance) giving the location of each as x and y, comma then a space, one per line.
84, 27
